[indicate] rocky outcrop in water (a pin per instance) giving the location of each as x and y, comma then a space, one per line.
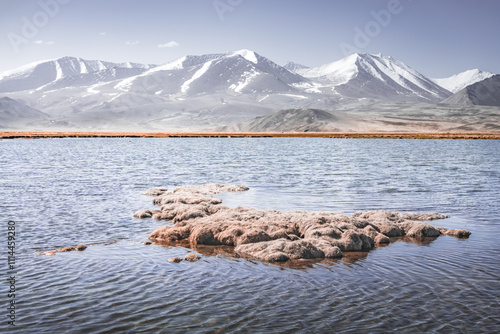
271, 235
191, 257
66, 249
155, 191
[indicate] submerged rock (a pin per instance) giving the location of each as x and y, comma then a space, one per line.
80, 247
192, 257
155, 191
457, 233
66, 249
143, 214
271, 235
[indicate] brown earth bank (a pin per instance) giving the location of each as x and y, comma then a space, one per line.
390, 135
198, 218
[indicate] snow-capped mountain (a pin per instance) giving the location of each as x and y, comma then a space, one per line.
462, 80
238, 72
201, 91
375, 76
484, 93
66, 72
188, 93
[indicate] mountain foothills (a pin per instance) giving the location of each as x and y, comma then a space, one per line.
244, 91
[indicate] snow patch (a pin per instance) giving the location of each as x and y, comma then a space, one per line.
247, 54
301, 97
247, 78
92, 89
115, 97
461, 80
198, 74
83, 66
101, 67
59, 72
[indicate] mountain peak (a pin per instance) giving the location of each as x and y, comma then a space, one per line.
66, 71
461, 80
377, 55
376, 76
247, 54
484, 92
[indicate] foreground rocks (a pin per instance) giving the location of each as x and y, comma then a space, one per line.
271, 235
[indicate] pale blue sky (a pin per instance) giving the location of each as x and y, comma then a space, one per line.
436, 37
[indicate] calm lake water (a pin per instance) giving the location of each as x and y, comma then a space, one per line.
63, 192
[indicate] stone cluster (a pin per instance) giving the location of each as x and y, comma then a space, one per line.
271, 235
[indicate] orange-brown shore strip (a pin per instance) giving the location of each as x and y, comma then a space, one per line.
388, 135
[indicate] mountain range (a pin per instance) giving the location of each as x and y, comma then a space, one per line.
228, 90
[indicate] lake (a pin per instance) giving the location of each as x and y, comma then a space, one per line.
63, 192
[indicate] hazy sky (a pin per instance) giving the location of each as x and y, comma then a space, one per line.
436, 37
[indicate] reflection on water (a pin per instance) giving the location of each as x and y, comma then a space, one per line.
228, 251
64, 192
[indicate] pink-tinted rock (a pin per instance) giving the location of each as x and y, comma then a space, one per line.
377, 237
205, 235
420, 230
143, 214
281, 250
463, 234
170, 234
66, 249
80, 247
253, 236
175, 259
192, 257
155, 191
272, 235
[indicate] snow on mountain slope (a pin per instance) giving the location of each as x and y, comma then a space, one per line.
484, 93
336, 73
239, 72
65, 72
462, 80
376, 76
206, 91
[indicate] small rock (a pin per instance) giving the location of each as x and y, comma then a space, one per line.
175, 259
143, 214
66, 249
462, 234
80, 247
147, 243
192, 257
155, 191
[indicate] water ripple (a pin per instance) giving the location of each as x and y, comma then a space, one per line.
86, 190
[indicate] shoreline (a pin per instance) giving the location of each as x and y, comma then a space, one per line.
130, 134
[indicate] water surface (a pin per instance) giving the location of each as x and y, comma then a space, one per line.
65, 192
